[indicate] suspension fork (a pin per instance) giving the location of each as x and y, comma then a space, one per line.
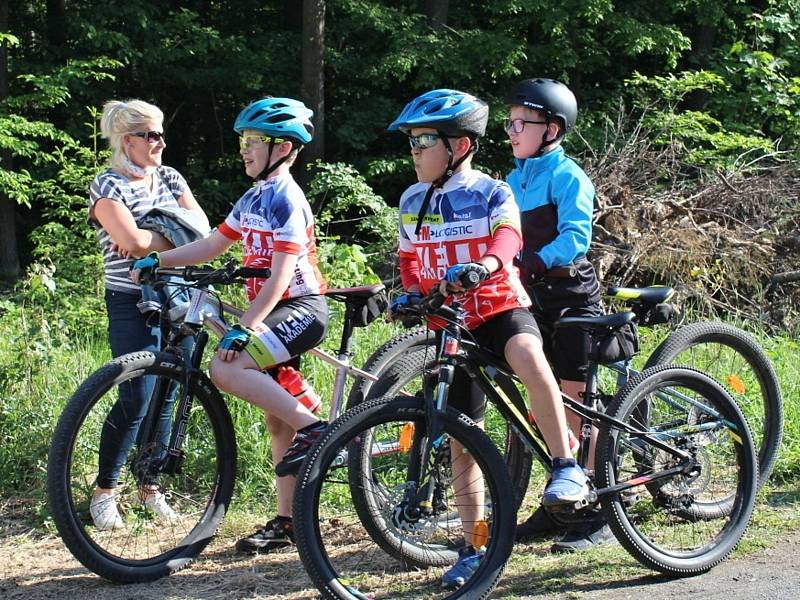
173, 459
422, 497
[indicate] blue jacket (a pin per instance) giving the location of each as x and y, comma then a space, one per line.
556, 201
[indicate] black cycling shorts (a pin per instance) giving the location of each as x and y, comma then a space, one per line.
465, 395
294, 326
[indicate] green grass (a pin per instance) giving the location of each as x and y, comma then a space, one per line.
41, 365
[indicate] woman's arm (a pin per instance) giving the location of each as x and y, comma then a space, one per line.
118, 221
283, 265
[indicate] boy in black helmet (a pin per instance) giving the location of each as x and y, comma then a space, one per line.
556, 201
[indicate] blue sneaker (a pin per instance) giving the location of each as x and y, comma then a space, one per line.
568, 483
467, 563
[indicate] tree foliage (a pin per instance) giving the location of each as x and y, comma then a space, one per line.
717, 79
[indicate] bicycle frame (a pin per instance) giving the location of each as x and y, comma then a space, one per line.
492, 374
206, 311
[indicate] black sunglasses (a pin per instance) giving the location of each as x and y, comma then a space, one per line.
153, 137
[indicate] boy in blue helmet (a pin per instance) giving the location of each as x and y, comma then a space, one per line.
288, 314
556, 201
457, 220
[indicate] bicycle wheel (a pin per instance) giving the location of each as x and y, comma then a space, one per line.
145, 547
734, 358
380, 438
656, 523
401, 363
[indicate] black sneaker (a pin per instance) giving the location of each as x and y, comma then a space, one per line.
581, 537
540, 525
277, 533
303, 440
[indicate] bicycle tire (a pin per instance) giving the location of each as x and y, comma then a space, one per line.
400, 363
657, 525
333, 544
145, 548
725, 353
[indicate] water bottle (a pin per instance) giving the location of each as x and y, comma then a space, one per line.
293, 382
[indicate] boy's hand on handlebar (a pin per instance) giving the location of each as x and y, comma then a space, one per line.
233, 342
402, 302
142, 268
463, 276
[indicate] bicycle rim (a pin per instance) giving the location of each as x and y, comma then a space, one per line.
733, 358
345, 559
401, 366
146, 546
658, 522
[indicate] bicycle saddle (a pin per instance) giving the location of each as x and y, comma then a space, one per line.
355, 293
654, 294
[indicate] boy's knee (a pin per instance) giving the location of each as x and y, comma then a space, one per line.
219, 372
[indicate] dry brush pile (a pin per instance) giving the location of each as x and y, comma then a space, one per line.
716, 237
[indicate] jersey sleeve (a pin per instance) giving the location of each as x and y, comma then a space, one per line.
291, 224
573, 196
231, 227
503, 210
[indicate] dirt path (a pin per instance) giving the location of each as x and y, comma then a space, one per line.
34, 568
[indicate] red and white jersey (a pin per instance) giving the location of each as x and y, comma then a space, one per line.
274, 216
458, 227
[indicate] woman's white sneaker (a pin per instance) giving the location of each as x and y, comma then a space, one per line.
157, 502
105, 515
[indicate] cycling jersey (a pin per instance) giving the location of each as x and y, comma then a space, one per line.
458, 227
274, 216
556, 200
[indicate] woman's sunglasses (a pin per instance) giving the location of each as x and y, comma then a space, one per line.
153, 137
423, 140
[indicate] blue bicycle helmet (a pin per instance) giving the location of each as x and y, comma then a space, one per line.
452, 112
279, 117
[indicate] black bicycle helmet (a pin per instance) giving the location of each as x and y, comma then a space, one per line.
550, 97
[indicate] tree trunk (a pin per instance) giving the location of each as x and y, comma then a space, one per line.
9, 256
703, 38
313, 80
436, 11
57, 27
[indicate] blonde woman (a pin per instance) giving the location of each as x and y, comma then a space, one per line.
119, 198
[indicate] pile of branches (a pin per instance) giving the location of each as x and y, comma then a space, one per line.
717, 237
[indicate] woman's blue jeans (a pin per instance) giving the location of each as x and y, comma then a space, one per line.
129, 331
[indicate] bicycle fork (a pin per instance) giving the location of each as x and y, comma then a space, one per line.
421, 499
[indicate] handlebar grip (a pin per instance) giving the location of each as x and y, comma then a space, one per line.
470, 279
253, 272
436, 301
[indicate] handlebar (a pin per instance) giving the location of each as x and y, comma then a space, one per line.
433, 302
226, 274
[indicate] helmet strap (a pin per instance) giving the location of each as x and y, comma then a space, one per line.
271, 166
547, 143
449, 172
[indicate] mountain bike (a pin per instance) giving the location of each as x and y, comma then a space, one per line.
728, 354
197, 468
675, 474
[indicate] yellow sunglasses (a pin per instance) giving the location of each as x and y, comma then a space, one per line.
247, 141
